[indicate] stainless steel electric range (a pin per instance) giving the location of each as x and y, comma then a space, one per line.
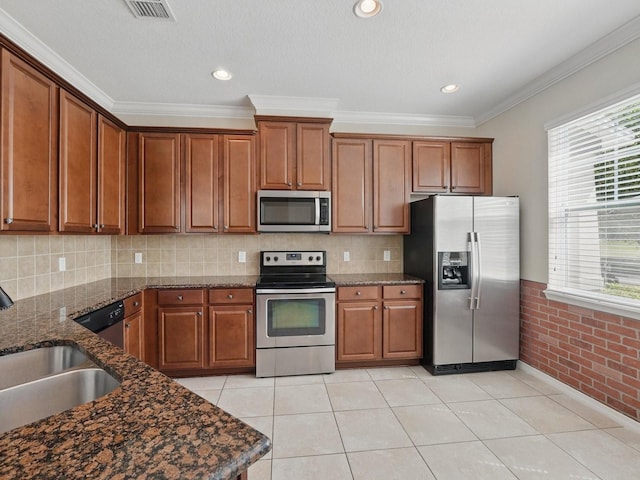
295, 314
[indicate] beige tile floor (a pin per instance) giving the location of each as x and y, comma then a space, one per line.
403, 423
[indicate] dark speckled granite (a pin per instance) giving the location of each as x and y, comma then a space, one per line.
354, 279
149, 427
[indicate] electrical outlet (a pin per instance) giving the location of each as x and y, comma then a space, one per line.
242, 257
137, 257
62, 264
63, 314
387, 255
346, 256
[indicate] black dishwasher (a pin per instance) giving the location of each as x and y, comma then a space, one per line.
106, 323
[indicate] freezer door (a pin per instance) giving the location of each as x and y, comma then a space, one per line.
452, 317
496, 318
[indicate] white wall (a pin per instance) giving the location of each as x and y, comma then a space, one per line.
520, 147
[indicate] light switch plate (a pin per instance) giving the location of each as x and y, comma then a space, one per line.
242, 257
62, 264
137, 257
387, 255
346, 256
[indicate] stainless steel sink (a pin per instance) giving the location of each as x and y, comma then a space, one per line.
23, 367
28, 402
42, 382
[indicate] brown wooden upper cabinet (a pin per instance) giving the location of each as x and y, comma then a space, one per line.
452, 167
218, 176
294, 155
371, 181
92, 162
29, 153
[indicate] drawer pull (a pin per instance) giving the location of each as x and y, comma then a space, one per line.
358, 293
403, 292
135, 304
180, 297
230, 296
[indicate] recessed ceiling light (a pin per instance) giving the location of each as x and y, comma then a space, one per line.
451, 88
367, 8
222, 75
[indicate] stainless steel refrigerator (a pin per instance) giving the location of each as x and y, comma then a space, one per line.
467, 251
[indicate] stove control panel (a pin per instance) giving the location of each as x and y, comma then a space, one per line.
290, 259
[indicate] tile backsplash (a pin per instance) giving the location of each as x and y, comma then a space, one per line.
29, 264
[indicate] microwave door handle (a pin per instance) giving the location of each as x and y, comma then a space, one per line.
317, 211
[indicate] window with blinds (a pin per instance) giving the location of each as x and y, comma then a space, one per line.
594, 205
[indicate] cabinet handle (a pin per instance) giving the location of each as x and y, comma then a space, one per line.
230, 296
403, 292
8, 221
358, 293
135, 304
180, 297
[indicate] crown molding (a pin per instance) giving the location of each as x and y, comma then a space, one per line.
181, 110
608, 44
19, 35
294, 106
379, 118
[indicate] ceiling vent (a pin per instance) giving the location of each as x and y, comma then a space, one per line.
151, 9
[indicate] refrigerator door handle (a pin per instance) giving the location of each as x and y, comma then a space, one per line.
478, 269
474, 283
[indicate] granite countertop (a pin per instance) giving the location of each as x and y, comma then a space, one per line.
354, 279
149, 427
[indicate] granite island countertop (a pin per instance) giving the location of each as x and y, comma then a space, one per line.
149, 427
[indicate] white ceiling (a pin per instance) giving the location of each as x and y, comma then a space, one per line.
388, 67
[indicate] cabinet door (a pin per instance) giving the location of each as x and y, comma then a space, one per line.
351, 185
431, 167
201, 183
467, 168
277, 146
239, 184
231, 334
313, 169
181, 338
111, 175
78, 176
391, 185
29, 188
402, 325
359, 331
159, 182
133, 337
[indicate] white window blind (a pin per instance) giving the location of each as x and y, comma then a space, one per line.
594, 205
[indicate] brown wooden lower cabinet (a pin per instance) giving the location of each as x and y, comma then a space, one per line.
231, 336
181, 338
133, 326
375, 324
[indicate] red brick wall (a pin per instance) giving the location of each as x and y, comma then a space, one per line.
594, 352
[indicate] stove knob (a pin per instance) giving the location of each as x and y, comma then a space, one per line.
275, 259
268, 259
311, 258
318, 258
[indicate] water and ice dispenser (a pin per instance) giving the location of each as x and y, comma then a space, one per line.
454, 271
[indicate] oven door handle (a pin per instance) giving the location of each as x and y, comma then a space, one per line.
288, 291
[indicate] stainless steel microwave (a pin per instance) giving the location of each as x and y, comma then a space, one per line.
294, 211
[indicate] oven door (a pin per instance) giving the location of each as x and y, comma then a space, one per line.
295, 317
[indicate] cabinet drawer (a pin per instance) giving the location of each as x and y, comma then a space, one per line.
231, 295
401, 291
133, 304
370, 292
181, 297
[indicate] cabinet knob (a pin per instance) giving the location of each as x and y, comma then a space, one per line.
453, 188
230, 296
215, 227
299, 184
289, 184
102, 225
180, 297
403, 292
226, 227
135, 304
95, 226
127, 325
375, 307
199, 314
386, 307
250, 311
358, 293
8, 221
444, 187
